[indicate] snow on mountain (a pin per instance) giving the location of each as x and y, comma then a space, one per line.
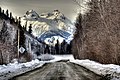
52, 33
54, 23
31, 14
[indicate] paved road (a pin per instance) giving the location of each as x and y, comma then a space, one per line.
60, 71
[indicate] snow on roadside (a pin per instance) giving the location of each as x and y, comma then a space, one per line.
45, 57
59, 58
109, 70
62, 57
13, 69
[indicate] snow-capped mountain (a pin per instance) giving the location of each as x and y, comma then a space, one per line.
48, 24
50, 33
31, 14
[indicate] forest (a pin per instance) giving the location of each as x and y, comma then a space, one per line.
97, 36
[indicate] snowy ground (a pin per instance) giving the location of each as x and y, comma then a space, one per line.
12, 69
109, 70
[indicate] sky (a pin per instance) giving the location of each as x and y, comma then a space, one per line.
19, 7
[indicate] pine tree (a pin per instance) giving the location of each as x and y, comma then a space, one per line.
30, 29
57, 47
7, 13
10, 15
16, 20
63, 47
19, 24
47, 49
15, 42
0, 10
19, 21
3, 11
21, 31
4, 33
68, 48
11, 18
25, 25
22, 38
1, 58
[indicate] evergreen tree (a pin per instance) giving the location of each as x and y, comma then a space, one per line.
3, 11
30, 29
19, 24
19, 21
26, 25
10, 15
47, 49
63, 47
7, 13
68, 48
22, 38
23, 27
0, 10
11, 18
16, 20
15, 42
4, 33
57, 47
1, 58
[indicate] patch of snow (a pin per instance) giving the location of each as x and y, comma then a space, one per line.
13, 69
53, 40
46, 57
63, 57
109, 70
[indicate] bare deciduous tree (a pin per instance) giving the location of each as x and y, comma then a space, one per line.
98, 32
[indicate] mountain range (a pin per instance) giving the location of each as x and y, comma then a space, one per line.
47, 25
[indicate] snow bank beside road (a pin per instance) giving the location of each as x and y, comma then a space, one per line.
46, 57
63, 57
110, 70
13, 69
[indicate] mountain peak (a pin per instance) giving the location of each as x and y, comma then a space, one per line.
31, 14
49, 24
31, 10
57, 12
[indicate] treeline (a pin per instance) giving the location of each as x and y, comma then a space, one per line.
17, 22
8, 42
97, 35
59, 48
6, 15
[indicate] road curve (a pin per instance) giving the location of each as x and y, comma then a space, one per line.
60, 71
